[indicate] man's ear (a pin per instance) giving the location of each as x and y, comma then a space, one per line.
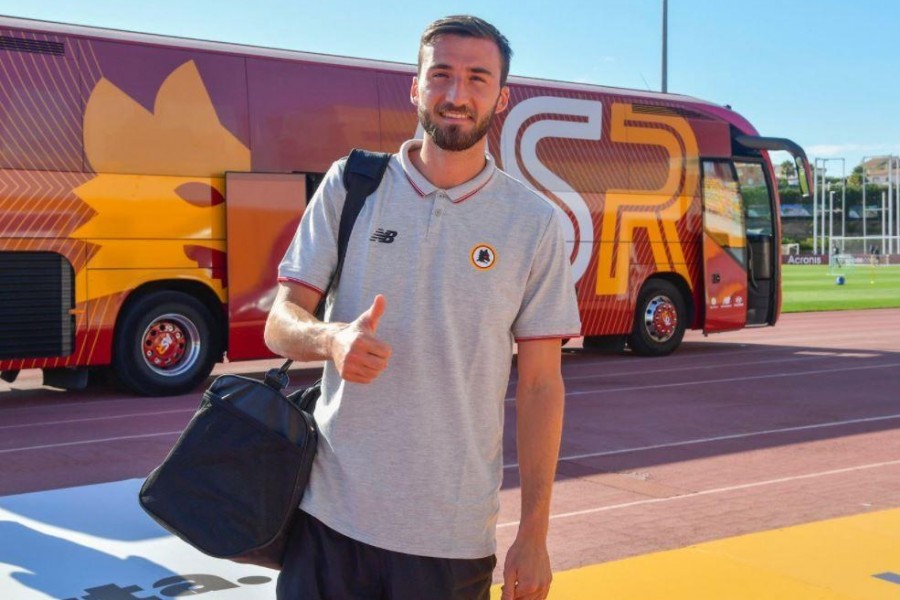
503, 100
414, 91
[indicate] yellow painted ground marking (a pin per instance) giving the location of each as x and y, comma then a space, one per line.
829, 560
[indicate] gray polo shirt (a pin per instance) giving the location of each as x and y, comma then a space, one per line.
412, 462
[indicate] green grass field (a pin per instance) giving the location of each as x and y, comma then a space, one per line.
809, 288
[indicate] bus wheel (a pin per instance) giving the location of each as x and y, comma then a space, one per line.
166, 343
659, 321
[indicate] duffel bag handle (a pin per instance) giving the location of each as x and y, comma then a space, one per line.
277, 379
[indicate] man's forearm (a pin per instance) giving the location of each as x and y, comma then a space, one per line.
292, 332
539, 430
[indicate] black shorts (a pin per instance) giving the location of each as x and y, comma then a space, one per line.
322, 564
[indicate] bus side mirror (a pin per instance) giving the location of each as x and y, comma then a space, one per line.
802, 174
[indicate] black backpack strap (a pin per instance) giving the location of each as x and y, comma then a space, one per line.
363, 172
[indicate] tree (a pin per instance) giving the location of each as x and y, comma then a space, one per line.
788, 169
855, 178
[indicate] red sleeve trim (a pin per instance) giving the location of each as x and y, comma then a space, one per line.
548, 337
301, 282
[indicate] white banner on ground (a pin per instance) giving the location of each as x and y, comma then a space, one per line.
95, 543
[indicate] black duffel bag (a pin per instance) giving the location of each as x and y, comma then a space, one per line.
232, 483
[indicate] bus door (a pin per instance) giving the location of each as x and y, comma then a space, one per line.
262, 211
761, 212
762, 242
724, 248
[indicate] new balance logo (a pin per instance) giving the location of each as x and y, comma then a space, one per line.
385, 236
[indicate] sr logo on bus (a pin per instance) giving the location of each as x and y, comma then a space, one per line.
655, 211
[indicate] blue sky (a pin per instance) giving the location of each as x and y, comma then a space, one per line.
818, 72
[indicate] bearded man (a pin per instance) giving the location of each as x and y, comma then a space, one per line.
404, 494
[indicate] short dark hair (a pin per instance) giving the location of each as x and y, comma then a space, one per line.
468, 26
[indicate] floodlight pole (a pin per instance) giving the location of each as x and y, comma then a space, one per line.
890, 203
825, 189
892, 191
843, 198
865, 226
665, 46
886, 205
897, 215
820, 212
830, 222
895, 207
819, 190
890, 206
815, 198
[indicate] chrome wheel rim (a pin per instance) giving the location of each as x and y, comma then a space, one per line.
170, 345
661, 319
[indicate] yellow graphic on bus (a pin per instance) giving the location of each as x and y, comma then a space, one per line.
655, 211
158, 220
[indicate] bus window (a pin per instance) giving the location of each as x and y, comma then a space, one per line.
757, 200
723, 215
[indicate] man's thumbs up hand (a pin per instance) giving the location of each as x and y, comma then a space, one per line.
359, 356
368, 321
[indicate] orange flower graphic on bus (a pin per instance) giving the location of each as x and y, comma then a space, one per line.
164, 220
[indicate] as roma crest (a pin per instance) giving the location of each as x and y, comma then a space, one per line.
483, 257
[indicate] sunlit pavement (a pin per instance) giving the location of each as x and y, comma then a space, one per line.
853, 558
95, 543
669, 469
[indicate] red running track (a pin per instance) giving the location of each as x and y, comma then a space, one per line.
734, 433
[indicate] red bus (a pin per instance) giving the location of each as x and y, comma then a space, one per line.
149, 185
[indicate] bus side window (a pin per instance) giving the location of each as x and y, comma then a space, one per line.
757, 200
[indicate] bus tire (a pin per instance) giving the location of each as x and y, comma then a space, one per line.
660, 319
611, 344
165, 344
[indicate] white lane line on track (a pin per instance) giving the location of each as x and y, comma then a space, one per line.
673, 444
683, 355
725, 380
194, 398
722, 490
97, 441
687, 355
99, 418
696, 368
719, 438
515, 465
732, 379
92, 403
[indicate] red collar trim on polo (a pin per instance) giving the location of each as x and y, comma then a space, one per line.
457, 194
475, 191
413, 184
